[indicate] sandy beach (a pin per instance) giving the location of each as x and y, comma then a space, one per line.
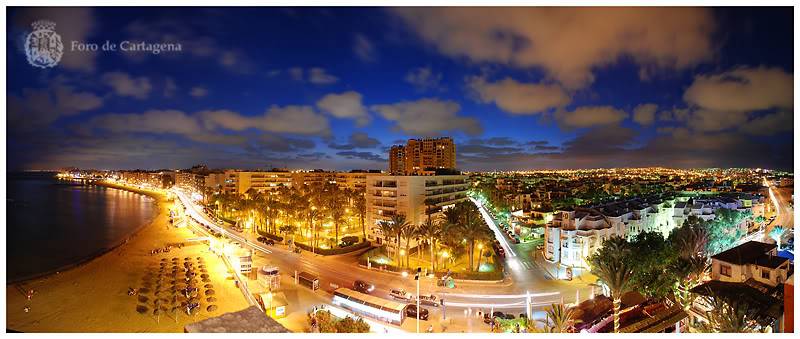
93, 297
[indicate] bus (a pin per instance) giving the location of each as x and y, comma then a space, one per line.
308, 280
370, 306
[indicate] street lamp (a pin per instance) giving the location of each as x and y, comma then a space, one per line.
416, 277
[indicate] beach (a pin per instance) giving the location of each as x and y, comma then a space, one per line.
93, 296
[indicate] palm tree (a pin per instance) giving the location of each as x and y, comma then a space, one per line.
560, 319
399, 224
431, 231
334, 204
472, 230
313, 214
776, 233
408, 232
611, 266
730, 315
387, 230
360, 203
692, 262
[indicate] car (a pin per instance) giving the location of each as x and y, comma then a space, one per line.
363, 287
429, 300
261, 239
507, 316
488, 319
401, 294
516, 239
269, 241
411, 311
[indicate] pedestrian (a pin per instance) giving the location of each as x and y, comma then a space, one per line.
430, 328
27, 309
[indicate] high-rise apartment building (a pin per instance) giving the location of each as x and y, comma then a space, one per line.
422, 155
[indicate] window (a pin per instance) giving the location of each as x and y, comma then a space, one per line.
725, 270
765, 274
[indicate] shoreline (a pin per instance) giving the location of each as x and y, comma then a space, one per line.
102, 252
94, 296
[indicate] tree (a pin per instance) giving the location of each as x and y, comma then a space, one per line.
408, 232
560, 319
431, 231
776, 233
723, 230
360, 203
350, 325
730, 315
611, 266
650, 257
334, 204
690, 263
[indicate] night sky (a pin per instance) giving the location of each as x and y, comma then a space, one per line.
334, 88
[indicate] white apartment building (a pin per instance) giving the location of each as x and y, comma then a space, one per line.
240, 182
572, 236
416, 197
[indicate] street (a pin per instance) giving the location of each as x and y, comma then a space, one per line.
510, 295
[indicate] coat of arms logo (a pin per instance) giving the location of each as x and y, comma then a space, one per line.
43, 46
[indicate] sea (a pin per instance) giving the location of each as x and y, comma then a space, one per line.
53, 224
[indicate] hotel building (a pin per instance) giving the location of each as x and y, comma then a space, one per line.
416, 197
422, 156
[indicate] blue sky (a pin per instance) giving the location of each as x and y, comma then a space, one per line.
334, 87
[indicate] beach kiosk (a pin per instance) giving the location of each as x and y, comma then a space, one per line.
274, 304
241, 259
270, 277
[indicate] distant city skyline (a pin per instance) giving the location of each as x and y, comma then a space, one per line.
335, 88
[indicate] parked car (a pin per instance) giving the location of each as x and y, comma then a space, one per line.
269, 241
430, 300
411, 311
261, 239
401, 294
363, 286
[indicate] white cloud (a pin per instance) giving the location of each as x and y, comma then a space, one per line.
347, 105
519, 98
590, 116
428, 117
742, 89
424, 79
364, 49
36, 108
198, 92
286, 119
645, 114
568, 43
731, 99
319, 76
125, 85
779, 122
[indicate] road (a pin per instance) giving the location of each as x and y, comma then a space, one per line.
781, 198
342, 270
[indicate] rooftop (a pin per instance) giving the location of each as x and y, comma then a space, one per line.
249, 320
746, 253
